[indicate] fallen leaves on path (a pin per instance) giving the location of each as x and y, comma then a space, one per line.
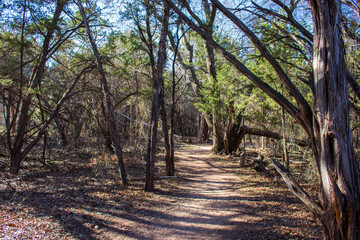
211, 198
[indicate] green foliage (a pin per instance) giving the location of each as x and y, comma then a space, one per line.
10, 45
5, 82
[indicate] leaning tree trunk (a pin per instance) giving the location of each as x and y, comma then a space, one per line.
107, 95
105, 130
58, 125
339, 169
328, 126
16, 154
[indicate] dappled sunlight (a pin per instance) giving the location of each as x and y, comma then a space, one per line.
210, 198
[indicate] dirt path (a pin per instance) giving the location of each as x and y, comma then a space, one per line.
211, 198
209, 201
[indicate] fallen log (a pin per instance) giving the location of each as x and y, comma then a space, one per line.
270, 134
297, 190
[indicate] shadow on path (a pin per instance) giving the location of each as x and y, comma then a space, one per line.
207, 201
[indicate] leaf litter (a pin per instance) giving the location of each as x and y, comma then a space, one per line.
210, 198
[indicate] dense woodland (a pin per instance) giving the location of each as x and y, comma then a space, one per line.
129, 76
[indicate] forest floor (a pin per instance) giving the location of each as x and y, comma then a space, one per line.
210, 198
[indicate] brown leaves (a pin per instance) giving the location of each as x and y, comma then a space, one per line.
75, 203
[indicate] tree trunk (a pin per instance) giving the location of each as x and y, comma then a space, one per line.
328, 126
285, 149
158, 80
170, 171
107, 94
263, 139
218, 136
16, 150
108, 140
173, 100
59, 126
228, 128
196, 84
206, 132
218, 132
208, 126
233, 134
16, 154
150, 157
62, 132
45, 135
339, 169
172, 126
201, 128
105, 129
15, 160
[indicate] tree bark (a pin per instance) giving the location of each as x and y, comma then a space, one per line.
297, 190
285, 149
233, 136
105, 128
170, 170
201, 128
152, 139
107, 94
175, 48
16, 154
158, 80
59, 126
328, 126
339, 169
218, 131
